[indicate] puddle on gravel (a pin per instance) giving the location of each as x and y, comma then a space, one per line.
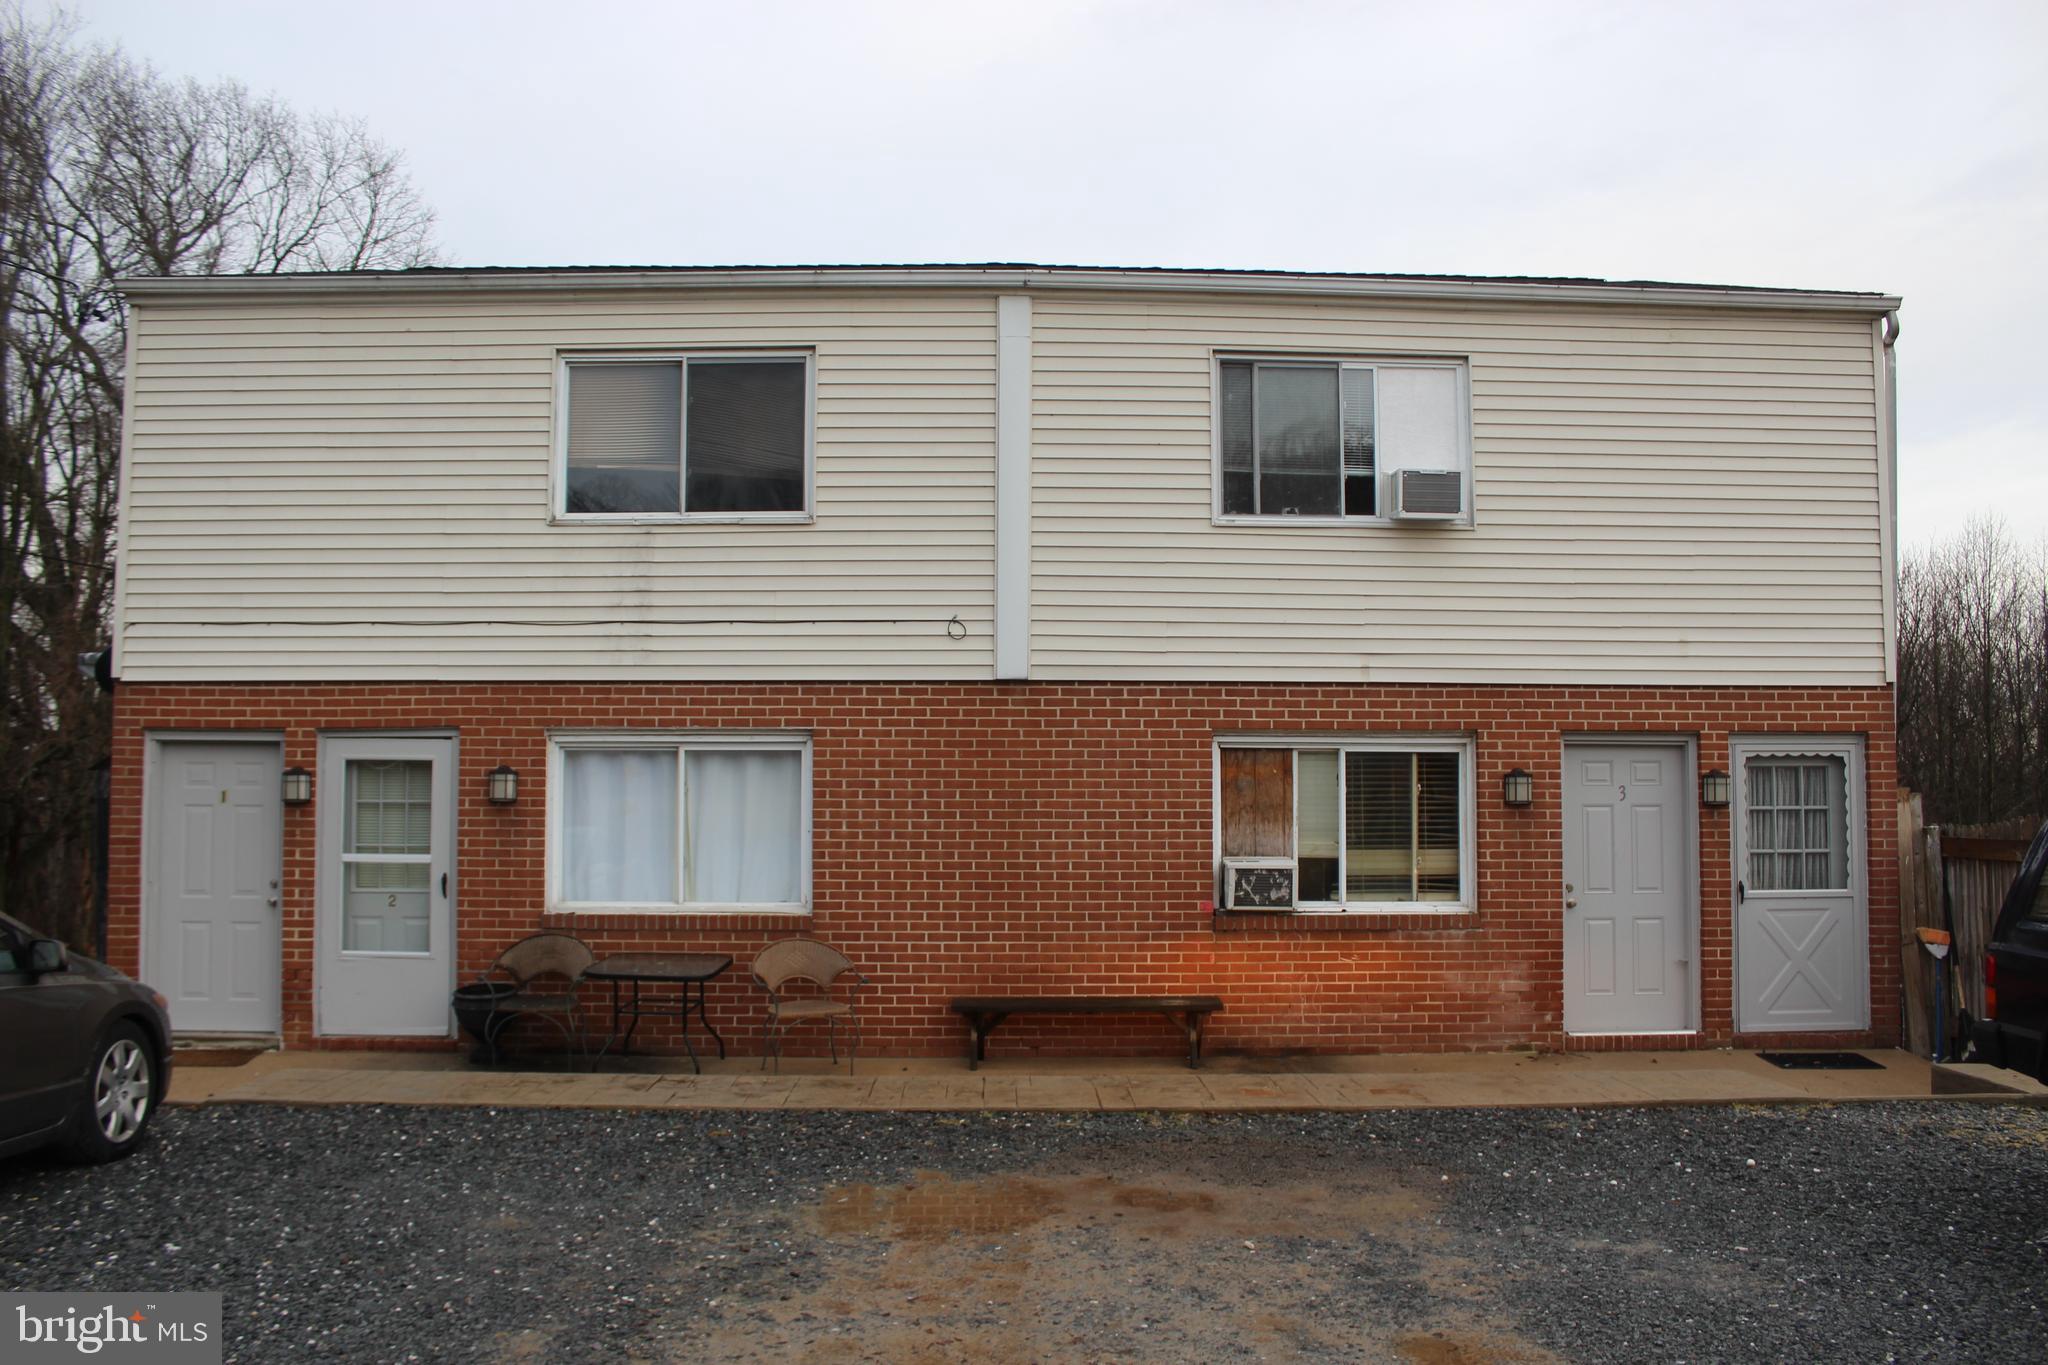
1245, 1257
1464, 1348
523, 1346
935, 1207
932, 1207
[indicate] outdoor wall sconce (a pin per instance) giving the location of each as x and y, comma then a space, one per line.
298, 786
1517, 788
503, 784
1714, 788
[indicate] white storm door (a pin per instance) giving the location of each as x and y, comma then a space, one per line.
386, 909
1628, 942
1801, 949
216, 855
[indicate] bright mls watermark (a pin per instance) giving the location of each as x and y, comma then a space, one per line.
170, 1329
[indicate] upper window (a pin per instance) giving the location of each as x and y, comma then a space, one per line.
694, 822
713, 436
1374, 823
1331, 439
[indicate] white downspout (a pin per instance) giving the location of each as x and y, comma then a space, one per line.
1013, 488
1888, 490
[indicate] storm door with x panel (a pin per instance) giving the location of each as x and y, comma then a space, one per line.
1801, 944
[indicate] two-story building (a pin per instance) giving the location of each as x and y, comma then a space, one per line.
1526, 643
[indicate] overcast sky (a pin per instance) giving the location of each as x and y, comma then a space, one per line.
1892, 147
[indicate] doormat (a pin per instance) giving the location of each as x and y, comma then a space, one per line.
1821, 1061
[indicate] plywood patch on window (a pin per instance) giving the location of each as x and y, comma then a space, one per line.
1258, 803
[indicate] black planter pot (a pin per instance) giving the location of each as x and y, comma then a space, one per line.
476, 1010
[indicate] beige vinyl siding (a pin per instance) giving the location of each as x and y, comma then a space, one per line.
1659, 497
358, 488
343, 489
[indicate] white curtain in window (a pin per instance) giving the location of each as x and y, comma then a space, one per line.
1797, 815
619, 826
743, 827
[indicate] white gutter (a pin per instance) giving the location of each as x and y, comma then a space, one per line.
1888, 489
1001, 278
118, 631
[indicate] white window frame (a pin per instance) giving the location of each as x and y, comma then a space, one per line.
1382, 484
558, 491
1468, 812
565, 742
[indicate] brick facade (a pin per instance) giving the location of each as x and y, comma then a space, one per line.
1045, 837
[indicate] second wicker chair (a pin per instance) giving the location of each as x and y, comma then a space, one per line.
821, 966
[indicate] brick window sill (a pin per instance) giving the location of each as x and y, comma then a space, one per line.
1362, 922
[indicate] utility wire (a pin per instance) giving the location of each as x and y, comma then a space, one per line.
954, 625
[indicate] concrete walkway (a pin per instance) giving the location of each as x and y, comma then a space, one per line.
1409, 1081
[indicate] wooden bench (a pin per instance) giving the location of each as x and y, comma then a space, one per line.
985, 1012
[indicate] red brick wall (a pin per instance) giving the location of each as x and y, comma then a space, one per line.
1052, 837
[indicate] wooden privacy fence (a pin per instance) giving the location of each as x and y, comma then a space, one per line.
1955, 880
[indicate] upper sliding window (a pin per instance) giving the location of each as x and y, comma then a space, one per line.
1342, 440
717, 437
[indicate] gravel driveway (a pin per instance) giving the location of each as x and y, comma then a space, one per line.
1866, 1232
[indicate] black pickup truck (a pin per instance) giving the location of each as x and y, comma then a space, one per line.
2015, 1022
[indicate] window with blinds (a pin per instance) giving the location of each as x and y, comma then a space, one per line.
712, 436
1369, 824
1312, 438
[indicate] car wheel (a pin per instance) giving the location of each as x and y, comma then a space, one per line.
120, 1096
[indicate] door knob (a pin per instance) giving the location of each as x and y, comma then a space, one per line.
273, 902
1571, 903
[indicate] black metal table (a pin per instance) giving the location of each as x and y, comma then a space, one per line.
686, 970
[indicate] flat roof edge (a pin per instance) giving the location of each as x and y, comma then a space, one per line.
1001, 278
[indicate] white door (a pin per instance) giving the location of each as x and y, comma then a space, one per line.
1800, 946
1628, 940
211, 908
385, 920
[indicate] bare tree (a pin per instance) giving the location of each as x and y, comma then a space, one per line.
106, 170
1973, 676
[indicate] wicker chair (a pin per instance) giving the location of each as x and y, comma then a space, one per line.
531, 961
807, 960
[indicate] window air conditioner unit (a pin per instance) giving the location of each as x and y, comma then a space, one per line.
1429, 494
1258, 883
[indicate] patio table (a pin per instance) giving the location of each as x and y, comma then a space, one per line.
686, 970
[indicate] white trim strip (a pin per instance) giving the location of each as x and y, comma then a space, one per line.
1013, 486
1001, 278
